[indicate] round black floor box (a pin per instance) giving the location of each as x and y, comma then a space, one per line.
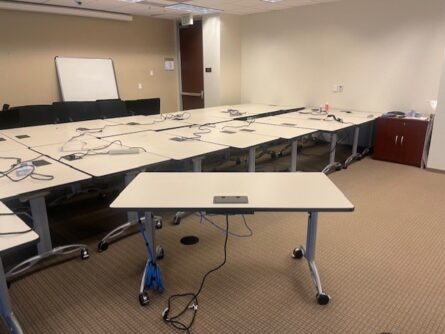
189, 240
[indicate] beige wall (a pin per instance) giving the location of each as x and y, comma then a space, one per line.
30, 41
230, 59
387, 54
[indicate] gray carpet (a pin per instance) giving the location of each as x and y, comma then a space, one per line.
383, 265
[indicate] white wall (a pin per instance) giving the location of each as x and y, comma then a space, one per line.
387, 54
436, 158
230, 59
211, 32
222, 52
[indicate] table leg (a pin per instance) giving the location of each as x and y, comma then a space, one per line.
332, 163
197, 168
309, 254
151, 277
132, 220
354, 155
5, 305
44, 247
294, 154
252, 156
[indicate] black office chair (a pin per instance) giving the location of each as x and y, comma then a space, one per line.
36, 115
144, 106
112, 108
75, 111
9, 119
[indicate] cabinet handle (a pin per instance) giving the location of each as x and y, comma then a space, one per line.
401, 140
395, 141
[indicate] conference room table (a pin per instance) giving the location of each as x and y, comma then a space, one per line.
95, 159
10, 223
167, 145
34, 136
282, 132
33, 189
236, 193
219, 133
353, 119
152, 122
8, 144
320, 122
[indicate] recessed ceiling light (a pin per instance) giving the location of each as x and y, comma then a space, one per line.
193, 9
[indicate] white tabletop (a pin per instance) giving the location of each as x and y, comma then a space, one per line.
62, 174
8, 144
150, 122
300, 122
100, 164
354, 113
284, 132
265, 192
217, 135
161, 143
60, 133
12, 223
345, 117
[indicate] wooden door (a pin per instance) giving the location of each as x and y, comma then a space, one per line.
192, 66
412, 141
387, 140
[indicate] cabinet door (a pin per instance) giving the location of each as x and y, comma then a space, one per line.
387, 140
412, 141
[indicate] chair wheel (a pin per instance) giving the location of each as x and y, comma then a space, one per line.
84, 254
158, 224
273, 155
143, 298
102, 246
176, 220
297, 253
345, 166
160, 253
323, 298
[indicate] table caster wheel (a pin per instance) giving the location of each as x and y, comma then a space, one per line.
84, 254
158, 224
323, 298
297, 253
143, 298
176, 220
102, 246
160, 253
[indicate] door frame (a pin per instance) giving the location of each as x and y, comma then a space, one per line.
178, 57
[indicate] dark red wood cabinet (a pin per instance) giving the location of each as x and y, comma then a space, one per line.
400, 140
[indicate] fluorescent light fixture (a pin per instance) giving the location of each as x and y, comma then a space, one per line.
27, 7
272, 1
193, 9
131, 1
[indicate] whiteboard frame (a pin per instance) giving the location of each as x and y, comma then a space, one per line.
59, 79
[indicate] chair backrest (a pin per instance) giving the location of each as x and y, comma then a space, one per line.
76, 111
112, 108
36, 115
144, 106
9, 119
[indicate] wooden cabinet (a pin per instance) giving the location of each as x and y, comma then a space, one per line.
400, 140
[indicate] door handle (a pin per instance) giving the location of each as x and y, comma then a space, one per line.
401, 140
201, 94
395, 140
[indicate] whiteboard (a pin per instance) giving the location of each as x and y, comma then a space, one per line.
86, 79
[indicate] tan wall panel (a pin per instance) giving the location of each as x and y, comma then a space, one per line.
30, 41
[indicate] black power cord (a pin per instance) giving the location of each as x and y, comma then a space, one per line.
192, 305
